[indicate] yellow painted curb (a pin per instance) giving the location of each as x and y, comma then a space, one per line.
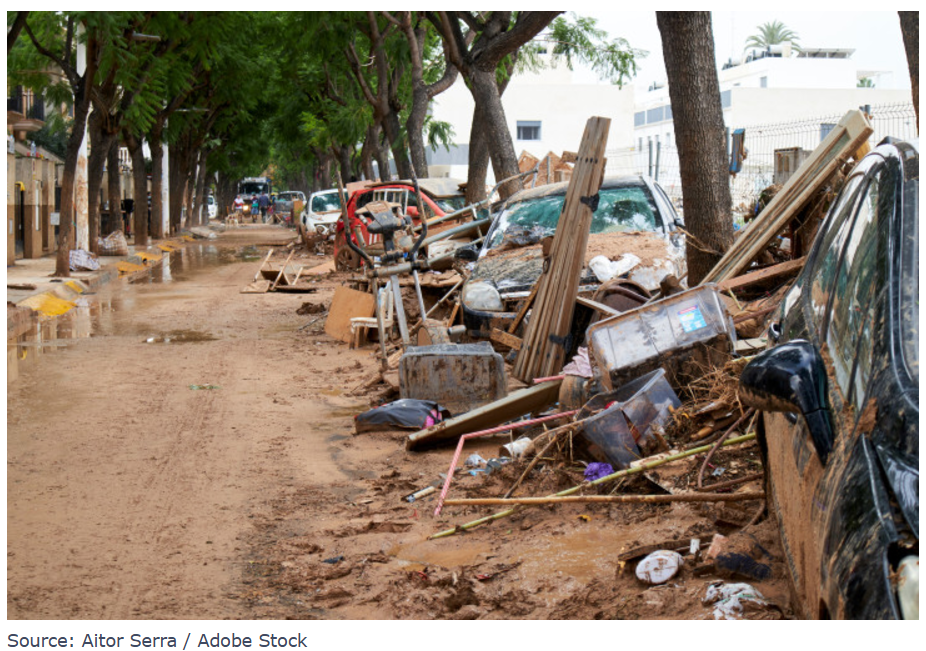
168, 247
48, 304
149, 256
128, 268
75, 286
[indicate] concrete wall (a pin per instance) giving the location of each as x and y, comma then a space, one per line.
38, 179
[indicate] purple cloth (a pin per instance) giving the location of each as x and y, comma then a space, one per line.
597, 471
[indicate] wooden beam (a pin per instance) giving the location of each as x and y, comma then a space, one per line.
782, 270
611, 499
505, 338
601, 308
843, 141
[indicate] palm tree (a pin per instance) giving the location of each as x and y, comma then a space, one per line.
772, 33
866, 82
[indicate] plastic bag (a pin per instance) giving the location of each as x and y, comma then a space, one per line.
402, 414
114, 244
81, 260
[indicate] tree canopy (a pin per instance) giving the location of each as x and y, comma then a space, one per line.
773, 33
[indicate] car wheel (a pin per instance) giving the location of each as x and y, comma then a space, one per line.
346, 259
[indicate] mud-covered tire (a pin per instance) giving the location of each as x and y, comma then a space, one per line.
572, 394
346, 259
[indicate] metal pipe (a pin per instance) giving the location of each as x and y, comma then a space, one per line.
487, 432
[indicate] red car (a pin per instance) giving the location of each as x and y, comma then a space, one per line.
441, 197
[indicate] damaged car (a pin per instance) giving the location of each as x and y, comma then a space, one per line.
634, 243
839, 392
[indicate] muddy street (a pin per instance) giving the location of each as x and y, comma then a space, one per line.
178, 449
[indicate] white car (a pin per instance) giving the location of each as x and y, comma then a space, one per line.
321, 212
211, 206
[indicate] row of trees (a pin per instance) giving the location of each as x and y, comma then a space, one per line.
231, 92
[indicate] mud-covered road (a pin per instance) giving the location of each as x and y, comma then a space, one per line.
132, 495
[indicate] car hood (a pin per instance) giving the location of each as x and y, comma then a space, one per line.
518, 268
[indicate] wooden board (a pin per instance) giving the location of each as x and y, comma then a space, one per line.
321, 269
505, 338
844, 141
514, 405
347, 304
542, 352
778, 271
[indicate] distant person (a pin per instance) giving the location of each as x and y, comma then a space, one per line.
263, 203
254, 206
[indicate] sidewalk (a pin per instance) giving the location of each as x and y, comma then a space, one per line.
43, 293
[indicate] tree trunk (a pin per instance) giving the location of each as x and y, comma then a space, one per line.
344, 163
366, 154
140, 191
414, 127
478, 160
100, 142
494, 127
175, 186
115, 187
199, 209
225, 193
157, 164
688, 49
67, 215
910, 27
396, 144
381, 155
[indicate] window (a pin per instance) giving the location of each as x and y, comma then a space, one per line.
655, 115
639, 118
726, 99
852, 313
528, 130
763, 82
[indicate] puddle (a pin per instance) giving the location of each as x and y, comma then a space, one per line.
181, 337
428, 553
95, 312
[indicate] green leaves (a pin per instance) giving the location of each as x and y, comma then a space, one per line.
577, 38
773, 33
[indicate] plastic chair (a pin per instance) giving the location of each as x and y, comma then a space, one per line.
360, 325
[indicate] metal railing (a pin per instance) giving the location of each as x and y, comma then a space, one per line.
661, 161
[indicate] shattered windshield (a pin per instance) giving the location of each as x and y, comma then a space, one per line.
622, 209
451, 204
325, 202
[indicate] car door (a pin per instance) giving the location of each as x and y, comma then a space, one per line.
799, 478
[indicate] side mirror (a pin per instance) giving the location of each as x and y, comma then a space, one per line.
791, 378
467, 253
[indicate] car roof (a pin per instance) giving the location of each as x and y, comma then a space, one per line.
436, 187
552, 189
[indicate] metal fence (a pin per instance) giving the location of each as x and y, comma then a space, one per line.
758, 171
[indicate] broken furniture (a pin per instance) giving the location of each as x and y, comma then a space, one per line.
361, 325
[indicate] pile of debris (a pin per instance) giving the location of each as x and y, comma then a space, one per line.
644, 408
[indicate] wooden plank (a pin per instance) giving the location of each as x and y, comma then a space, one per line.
263, 264
849, 135
346, 304
598, 307
282, 274
505, 338
514, 405
783, 270
542, 352
524, 308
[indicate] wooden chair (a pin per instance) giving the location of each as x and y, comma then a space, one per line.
360, 325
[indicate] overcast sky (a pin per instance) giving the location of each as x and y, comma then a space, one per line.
875, 36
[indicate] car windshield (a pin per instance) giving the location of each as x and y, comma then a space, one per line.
629, 208
325, 202
451, 204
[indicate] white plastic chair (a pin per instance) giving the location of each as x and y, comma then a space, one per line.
361, 325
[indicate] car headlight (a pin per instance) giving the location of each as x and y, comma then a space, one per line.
482, 296
908, 587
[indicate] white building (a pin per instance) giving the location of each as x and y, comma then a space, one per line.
546, 111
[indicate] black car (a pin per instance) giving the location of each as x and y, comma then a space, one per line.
843, 450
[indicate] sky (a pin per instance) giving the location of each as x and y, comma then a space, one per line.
875, 36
